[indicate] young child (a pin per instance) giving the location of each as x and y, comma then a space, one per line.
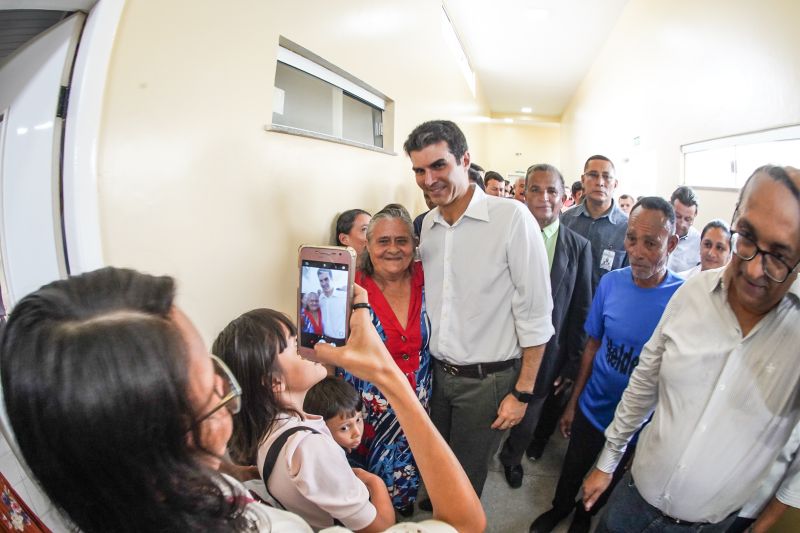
306, 472
338, 403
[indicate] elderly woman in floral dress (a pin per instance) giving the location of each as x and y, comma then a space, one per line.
394, 283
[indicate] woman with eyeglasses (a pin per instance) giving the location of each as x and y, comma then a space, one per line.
124, 418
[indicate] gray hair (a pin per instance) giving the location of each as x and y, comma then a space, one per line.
390, 212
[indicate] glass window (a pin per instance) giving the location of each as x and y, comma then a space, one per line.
729, 161
314, 98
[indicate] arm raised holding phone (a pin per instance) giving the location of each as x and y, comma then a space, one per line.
364, 355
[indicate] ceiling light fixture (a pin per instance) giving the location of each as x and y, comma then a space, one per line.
508, 120
526, 109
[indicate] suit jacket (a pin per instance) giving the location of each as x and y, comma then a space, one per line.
571, 285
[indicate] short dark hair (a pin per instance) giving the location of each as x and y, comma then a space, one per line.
476, 166
95, 380
625, 197
331, 397
544, 167
326, 270
345, 221
685, 195
475, 177
493, 176
656, 203
719, 224
576, 186
435, 131
598, 157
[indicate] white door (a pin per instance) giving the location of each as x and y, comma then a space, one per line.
33, 97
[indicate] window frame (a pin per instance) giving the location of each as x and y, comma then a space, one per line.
309, 63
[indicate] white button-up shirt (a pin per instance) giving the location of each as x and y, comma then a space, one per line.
487, 282
725, 405
687, 253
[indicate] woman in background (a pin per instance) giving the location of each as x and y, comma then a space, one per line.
351, 230
715, 248
395, 286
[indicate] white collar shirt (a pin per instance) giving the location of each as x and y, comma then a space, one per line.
725, 405
687, 253
487, 281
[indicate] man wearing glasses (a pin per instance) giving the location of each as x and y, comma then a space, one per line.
721, 377
598, 218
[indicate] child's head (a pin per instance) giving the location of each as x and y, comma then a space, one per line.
260, 348
336, 401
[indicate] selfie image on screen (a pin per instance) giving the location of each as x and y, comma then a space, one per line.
323, 315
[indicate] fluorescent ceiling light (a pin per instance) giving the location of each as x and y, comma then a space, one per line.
526, 109
508, 120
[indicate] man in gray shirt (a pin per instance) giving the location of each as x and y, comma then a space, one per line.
599, 219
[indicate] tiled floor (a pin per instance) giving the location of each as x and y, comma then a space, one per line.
512, 510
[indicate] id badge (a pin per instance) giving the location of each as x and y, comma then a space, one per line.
607, 260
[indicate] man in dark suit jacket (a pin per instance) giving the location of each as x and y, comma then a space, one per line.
570, 257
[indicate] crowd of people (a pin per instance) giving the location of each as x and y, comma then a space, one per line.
664, 354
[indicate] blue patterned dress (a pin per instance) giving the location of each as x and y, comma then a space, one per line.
384, 449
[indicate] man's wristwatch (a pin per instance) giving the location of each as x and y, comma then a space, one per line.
524, 397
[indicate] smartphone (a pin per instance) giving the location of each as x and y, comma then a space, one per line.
324, 295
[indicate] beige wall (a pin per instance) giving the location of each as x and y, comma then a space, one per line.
515, 147
190, 183
679, 71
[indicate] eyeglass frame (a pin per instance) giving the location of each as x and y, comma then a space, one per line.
736, 235
234, 393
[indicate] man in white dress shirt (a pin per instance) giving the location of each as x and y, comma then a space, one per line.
721, 373
687, 254
332, 304
487, 288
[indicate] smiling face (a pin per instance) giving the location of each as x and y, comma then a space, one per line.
770, 217
347, 430
312, 302
205, 392
544, 197
390, 247
325, 282
648, 242
599, 182
439, 174
715, 248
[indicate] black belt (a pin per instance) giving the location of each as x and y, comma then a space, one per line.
478, 370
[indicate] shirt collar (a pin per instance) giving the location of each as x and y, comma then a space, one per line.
615, 215
718, 284
551, 230
478, 209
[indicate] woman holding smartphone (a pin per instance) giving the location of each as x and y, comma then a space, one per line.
123, 417
395, 286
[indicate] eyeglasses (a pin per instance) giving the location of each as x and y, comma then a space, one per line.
607, 178
774, 267
231, 397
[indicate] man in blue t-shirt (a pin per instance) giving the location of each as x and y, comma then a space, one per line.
626, 308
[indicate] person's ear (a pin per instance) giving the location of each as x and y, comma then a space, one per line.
466, 159
672, 243
278, 384
344, 238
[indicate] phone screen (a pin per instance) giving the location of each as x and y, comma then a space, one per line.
323, 296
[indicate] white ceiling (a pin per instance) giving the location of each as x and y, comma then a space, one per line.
532, 53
